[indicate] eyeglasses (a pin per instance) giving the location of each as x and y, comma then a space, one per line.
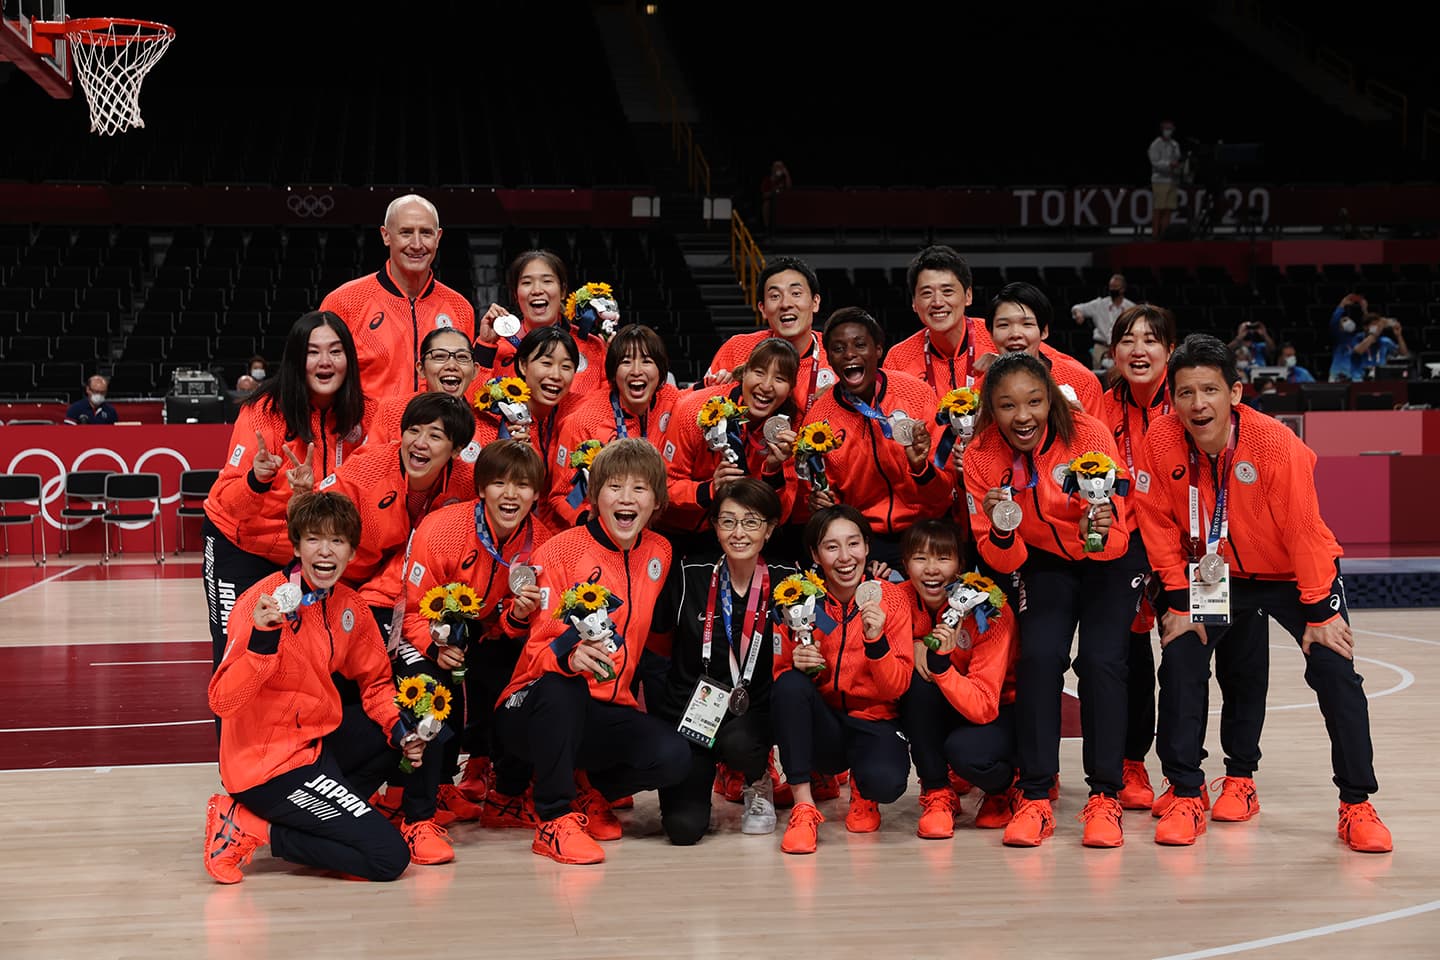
464, 357
749, 524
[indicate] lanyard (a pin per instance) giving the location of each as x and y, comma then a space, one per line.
929, 350
313, 597
1220, 522
482, 533
1125, 423
814, 368
753, 625
870, 413
1027, 462
620, 430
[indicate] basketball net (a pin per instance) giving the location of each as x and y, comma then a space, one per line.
112, 57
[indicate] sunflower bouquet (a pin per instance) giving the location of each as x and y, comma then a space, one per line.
1096, 477
957, 411
581, 459
593, 309
795, 598
972, 593
449, 608
424, 705
508, 395
813, 442
587, 608
714, 419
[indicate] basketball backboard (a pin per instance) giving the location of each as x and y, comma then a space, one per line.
44, 59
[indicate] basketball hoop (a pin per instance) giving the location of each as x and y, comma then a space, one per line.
112, 55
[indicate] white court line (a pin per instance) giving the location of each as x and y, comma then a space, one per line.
123, 766
1307, 934
105, 726
139, 663
41, 583
1406, 679
1396, 636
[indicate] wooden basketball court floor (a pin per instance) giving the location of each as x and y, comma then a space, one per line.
107, 758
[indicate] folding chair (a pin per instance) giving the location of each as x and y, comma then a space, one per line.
194, 488
22, 488
84, 501
133, 488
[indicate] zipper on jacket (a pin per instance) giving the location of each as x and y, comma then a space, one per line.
324, 448
840, 655
414, 345
875, 453
630, 595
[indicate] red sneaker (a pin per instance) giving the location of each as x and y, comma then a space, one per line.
863, 815
1184, 820
824, 787
564, 840
600, 821
1361, 829
1167, 797
232, 834
998, 809
803, 832
1136, 792
729, 783
1103, 818
959, 784
937, 818
1034, 822
1237, 801
478, 778
386, 802
429, 843
452, 800
501, 810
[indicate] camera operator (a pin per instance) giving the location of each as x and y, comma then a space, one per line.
94, 408
1253, 336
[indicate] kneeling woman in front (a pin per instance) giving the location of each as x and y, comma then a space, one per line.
837, 684
571, 704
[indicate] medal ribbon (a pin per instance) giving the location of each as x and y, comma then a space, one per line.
621, 432
1219, 527
482, 533
870, 413
753, 625
313, 597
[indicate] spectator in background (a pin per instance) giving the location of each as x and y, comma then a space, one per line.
776, 182
258, 369
1382, 341
94, 408
1164, 172
1294, 373
1363, 340
1253, 342
245, 385
1101, 312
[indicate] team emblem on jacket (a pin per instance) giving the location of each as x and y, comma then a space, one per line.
1058, 474
664, 421
443, 321
654, 569
669, 450
1142, 481
1245, 472
237, 455
824, 378
327, 482
580, 367
347, 620
471, 453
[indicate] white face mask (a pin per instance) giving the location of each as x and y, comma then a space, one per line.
1290, 360
1347, 325
258, 373
96, 399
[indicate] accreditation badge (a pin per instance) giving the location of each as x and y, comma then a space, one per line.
1209, 601
706, 708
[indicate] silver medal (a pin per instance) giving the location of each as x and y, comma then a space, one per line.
775, 426
1211, 568
739, 701
1007, 516
521, 576
902, 429
506, 325
868, 592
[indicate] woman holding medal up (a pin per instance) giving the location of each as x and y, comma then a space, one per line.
759, 446
839, 678
635, 403
723, 638
1028, 441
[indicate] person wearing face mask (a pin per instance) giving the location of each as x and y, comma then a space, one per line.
1254, 343
389, 312
636, 402
1024, 520
1165, 156
1294, 373
258, 368
1347, 332
95, 408
1101, 313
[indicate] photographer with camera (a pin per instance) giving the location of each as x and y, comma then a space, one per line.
94, 408
1363, 340
1253, 339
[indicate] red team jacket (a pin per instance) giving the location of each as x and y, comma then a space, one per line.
977, 681
863, 679
690, 463
1276, 531
921, 359
593, 418
274, 691
1051, 517
813, 378
498, 360
389, 327
447, 549
1071, 373
635, 576
250, 514
872, 473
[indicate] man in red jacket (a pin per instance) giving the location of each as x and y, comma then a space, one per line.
389, 312
296, 765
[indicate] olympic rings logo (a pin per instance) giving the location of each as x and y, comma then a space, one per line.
53, 488
310, 205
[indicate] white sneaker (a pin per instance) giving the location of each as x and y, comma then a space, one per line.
759, 815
